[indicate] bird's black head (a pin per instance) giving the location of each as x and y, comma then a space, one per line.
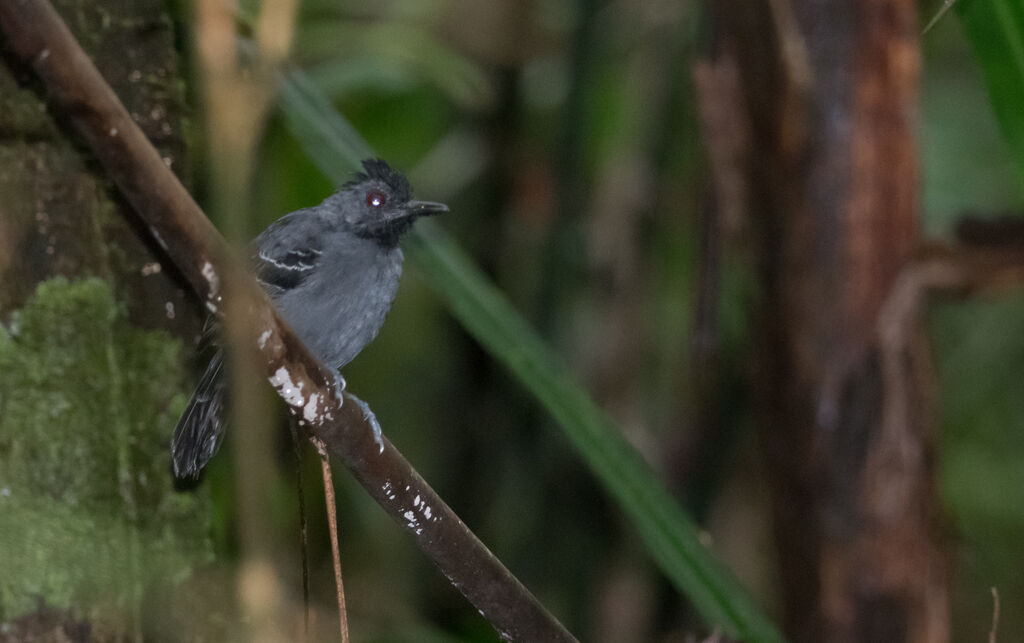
377, 204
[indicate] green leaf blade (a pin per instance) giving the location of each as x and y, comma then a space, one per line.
995, 29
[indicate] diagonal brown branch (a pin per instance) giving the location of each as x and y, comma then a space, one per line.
35, 33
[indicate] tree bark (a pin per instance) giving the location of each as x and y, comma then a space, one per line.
60, 214
91, 368
848, 435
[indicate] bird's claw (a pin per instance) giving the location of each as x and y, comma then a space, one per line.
339, 388
369, 416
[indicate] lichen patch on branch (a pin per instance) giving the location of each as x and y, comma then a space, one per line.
291, 392
213, 280
309, 412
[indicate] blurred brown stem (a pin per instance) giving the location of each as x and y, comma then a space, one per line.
36, 34
237, 91
995, 616
848, 428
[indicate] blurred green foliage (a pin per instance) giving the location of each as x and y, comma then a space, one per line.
421, 119
972, 141
494, 148
563, 135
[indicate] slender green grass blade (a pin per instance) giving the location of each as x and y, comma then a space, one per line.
669, 534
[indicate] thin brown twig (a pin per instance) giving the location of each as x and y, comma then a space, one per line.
995, 616
332, 525
940, 269
36, 35
303, 531
946, 6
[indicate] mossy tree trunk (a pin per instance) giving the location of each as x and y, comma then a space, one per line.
91, 379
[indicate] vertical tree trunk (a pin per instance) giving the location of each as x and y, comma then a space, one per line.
60, 215
91, 376
830, 90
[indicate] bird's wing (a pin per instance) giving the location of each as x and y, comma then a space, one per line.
287, 252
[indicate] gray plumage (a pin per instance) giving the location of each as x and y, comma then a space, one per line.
332, 272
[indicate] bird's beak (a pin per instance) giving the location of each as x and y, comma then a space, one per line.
424, 208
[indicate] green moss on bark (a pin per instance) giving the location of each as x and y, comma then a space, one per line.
87, 406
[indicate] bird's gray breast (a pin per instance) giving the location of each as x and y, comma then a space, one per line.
340, 308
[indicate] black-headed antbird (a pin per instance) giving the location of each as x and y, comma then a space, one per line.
332, 272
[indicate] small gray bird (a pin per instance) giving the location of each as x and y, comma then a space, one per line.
332, 272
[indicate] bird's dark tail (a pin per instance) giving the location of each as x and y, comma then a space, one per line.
200, 429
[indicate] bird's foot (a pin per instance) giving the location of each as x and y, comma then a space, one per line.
370, 417
339, 388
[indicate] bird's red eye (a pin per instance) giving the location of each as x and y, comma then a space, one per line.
375, 199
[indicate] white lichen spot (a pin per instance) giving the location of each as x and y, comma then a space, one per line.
113, 131
410, 516
44, 54
151, 268
169, 307
426, 511
262, 341
309, 411
211, 306
168, 161
282, 381
416, 501
211, 278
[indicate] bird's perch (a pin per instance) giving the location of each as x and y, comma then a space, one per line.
35, 33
